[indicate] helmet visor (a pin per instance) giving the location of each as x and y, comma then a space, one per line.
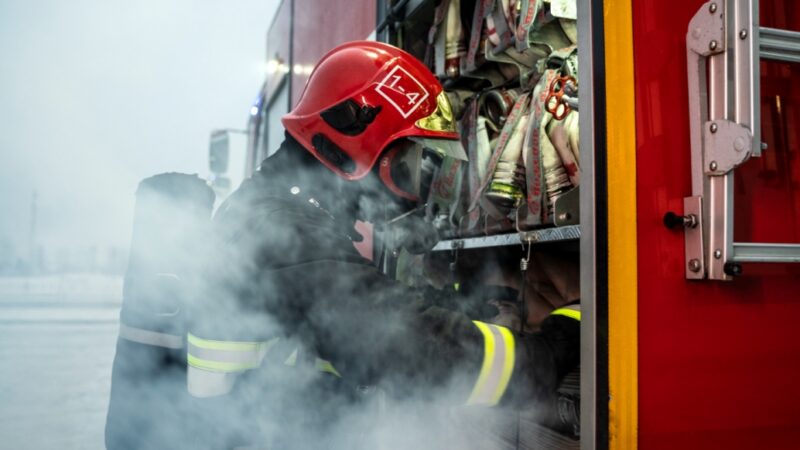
409, 170
443, 147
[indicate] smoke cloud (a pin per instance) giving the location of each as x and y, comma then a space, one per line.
227, 289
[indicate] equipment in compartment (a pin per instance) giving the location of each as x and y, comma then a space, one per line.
510, 70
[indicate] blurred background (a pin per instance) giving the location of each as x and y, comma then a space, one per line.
94, 97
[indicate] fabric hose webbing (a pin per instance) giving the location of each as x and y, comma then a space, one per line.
148, 337
530, 9
438, 18
534, 172
482, 10
499, 15
498, 364
226, 356
469, 136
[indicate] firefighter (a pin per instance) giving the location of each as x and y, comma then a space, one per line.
292, 322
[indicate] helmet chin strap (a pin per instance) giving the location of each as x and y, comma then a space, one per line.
406, 214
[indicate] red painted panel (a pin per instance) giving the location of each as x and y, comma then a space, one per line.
719, 363
321, 25
781, 14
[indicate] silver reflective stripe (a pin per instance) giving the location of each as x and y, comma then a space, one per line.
203, 383
498, 364
148, 337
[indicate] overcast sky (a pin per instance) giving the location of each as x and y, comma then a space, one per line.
97, 94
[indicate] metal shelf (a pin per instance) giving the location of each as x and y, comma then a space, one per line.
567, 233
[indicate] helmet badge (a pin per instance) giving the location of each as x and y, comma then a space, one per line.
402, 91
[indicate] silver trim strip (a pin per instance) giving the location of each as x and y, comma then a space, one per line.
147, 337
587, 226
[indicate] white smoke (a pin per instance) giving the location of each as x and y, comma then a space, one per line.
294, 410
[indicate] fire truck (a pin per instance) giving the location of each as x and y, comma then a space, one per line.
684, 208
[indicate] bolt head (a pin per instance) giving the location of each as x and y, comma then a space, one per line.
717, 253
764, 146
714, 127
712, 45
743, 33
713, 165
712, 8
692, 220
694, 265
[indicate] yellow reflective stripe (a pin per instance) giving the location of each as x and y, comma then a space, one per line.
220, 366
226, 356
486, 367
224, 345
292, 359
497, 367
326, 366
508, 364
571, 313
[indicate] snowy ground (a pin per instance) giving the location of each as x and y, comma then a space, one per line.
57, 340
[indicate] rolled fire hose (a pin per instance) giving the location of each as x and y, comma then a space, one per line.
506, 189
561, 141
454, 48
571, 125
555, 175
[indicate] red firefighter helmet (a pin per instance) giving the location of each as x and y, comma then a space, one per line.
362, 96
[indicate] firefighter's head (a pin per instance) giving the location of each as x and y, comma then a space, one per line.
371, 110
